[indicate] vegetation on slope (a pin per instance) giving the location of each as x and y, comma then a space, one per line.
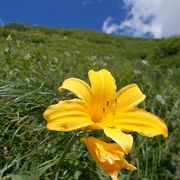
34, 61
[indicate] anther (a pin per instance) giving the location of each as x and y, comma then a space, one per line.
103, 110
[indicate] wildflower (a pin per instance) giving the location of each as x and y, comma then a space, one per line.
65, 38
109, 156
9, 38
145, 62
101, 107
7, 49
160, 99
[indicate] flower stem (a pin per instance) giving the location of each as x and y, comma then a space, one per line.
63, 155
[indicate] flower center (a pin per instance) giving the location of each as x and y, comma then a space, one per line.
101, 112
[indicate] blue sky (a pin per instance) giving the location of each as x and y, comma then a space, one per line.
61, 13
138, 18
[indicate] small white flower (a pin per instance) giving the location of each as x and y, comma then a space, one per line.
6, 49
145, 62
9, 38
160, 99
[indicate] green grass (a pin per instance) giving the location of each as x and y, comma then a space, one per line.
32, 67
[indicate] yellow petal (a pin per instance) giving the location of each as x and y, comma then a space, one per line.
100, 151
103, 90
129, 96
106, 156
140, 121
122, 164
114, 175
128, 166
67, 115
125, 141
108, 152
78, 87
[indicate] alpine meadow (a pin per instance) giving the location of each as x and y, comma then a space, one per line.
35, 61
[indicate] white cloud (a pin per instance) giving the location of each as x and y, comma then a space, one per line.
159, 18
109, 26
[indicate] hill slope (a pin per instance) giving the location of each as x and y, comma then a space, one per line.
34, 61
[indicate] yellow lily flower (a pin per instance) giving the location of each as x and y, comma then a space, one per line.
99, 106
109, 156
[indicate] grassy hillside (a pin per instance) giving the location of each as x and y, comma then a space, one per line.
34, 61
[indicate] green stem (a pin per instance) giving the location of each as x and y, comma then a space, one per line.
63, 155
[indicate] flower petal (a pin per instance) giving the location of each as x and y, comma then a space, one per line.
97, 149
129, 96
140, 121
125, 141
67, 115
108, 156
105, 152
128, 166
78, 87
103, 90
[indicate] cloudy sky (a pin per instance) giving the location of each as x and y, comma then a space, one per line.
138, 18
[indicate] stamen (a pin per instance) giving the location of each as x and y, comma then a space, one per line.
107, 103
105, 109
